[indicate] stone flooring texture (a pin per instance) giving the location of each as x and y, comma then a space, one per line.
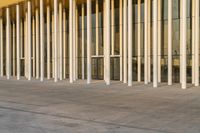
48, 107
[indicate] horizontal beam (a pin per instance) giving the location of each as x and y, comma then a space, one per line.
4, 3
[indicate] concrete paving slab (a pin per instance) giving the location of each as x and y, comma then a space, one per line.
48, 107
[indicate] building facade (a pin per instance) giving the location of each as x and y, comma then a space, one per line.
150, 41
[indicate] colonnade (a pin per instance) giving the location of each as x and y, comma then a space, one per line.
57, 43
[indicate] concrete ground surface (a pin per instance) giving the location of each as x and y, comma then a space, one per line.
48, 107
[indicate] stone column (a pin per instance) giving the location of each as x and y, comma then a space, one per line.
83, 41
13, 49
155, 43
48, 43
107, 42
1, 45
53, 45
197, 43
184, 43
89, 40
61, 41
55, 41
181, 25
71, 41
125, 41
76, 46
33, 45
26, 45
8, 50
97, 27
139, 41
170, 42
146, 42
29, 41
64, 43
37, 44
150, 43
41, 41
121, 38
159, 38
74, 40
193, 42
112, 27
130, 42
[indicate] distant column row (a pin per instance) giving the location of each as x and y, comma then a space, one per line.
48, 53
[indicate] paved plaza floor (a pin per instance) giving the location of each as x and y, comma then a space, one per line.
48, 107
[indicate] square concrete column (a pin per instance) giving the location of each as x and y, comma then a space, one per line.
146, 41
64, 43
29, 41
48, 43
125, 41
97, 26
150, 42
121, 37
37, 29
83, 41
13, 49
21, 39
61, 41
55, 41
170, 42
159, 38
104, 36
33, 46
1, 46
193, 41
8, 43
112, 27
26, 45
89, 40
155, 43
139, 42
41, 40
181, 25
197, 43
130, 42
184, 44
53, 54
71, 41
107, 42
74, 40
